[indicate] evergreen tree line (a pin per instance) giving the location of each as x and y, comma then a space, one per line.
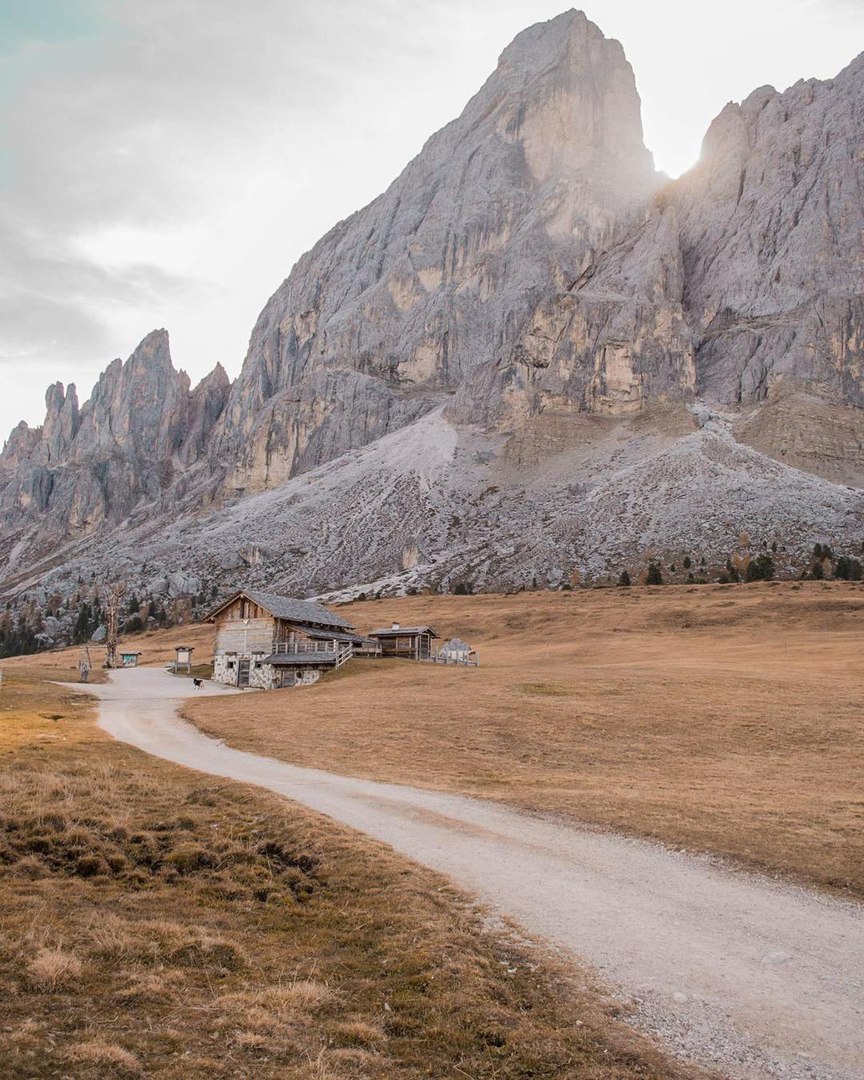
824, 564
17, 636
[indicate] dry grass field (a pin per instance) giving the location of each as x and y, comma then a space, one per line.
727, 719
159, 923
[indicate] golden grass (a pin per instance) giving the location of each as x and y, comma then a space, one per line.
159, 923
715, 718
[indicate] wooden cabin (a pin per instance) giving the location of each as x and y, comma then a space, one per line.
270, 641
407, 642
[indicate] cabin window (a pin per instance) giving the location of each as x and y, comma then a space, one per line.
403, 644
230, 665
257, 663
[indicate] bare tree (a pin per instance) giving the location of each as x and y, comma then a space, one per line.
115, 596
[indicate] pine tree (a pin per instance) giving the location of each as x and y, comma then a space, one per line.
654, 576
761, 568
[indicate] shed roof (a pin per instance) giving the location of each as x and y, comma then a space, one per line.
402, 631
287, 607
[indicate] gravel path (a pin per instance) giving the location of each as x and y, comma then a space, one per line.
756, 978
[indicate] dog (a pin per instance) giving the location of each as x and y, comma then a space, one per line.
197, 683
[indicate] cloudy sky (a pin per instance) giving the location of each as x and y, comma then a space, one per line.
165, 162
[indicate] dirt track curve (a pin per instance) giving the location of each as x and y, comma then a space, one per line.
756, 978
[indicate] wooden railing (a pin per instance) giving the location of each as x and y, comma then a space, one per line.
340, 651
344, 655
283, 647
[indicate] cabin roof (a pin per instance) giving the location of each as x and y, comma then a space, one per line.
286, 607
320, 633
402, 631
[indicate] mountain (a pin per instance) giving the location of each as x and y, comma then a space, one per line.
138, 437
532, 355
408, 295
742, 284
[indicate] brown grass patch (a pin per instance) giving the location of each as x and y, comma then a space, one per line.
163, 924
108, 1058
52, 968
716, 718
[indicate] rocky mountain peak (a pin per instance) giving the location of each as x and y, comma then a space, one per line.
137, 406
569, 95
400, 302
62, 420
153, 352
91, 465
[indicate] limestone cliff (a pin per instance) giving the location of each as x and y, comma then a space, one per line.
744, 282
772, 236
403, 299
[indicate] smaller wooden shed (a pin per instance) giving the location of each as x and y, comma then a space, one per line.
409, 642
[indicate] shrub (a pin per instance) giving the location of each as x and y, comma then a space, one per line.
761, 568
653, 577
817, 572
686, 563
624, 580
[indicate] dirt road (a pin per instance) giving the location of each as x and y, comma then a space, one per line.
753, 977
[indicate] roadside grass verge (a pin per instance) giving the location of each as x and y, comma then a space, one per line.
160, 923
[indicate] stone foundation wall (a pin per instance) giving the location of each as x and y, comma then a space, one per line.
265, 677
221, 671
